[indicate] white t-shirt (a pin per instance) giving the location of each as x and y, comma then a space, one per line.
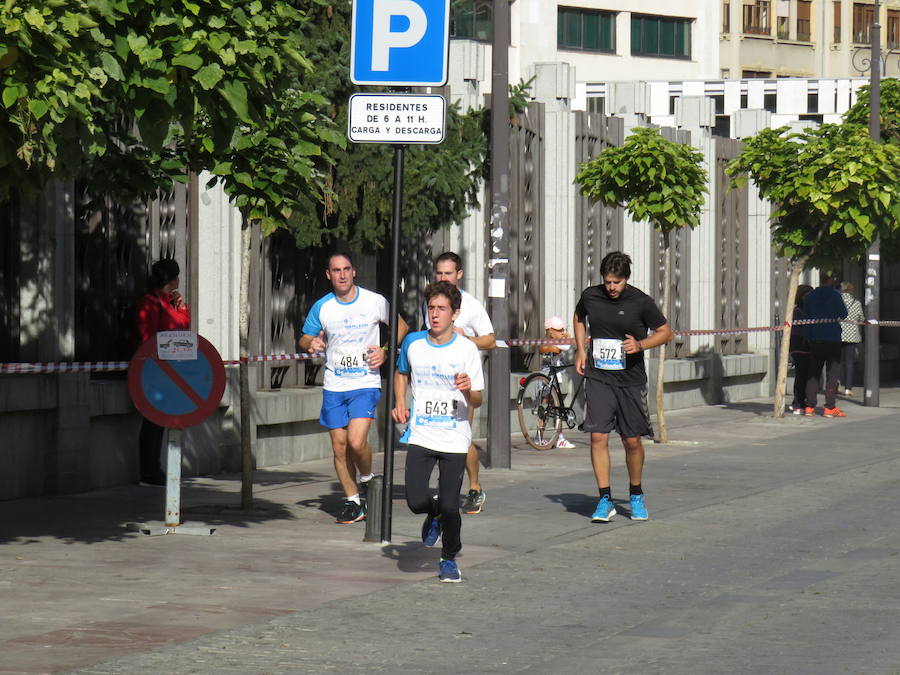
350, 327
473, 318
439, 415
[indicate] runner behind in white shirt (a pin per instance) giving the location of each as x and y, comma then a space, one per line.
443, 372
344, 324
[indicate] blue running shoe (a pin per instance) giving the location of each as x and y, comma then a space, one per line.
638, 510
431, 530
450, 573
604, 511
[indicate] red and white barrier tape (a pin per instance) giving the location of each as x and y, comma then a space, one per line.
109, 366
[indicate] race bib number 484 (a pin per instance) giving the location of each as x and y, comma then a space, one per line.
350, 362
608, 354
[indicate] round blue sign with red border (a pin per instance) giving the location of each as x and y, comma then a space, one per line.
176, 394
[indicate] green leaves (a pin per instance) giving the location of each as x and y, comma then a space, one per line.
834, 189
653, 178
209, 76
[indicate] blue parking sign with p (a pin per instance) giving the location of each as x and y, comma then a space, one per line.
400, 42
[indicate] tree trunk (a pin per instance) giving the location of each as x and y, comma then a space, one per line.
661, 369
244, 369
785, 352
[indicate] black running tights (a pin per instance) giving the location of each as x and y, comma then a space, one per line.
419, 497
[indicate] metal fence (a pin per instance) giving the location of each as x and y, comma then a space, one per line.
599, 227
732, 226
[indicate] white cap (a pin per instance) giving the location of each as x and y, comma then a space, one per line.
555, 323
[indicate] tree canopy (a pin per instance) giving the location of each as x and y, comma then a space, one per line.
441, 181
137, 93
653, 178
831, 187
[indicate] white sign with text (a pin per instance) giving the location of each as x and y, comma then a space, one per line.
176, 345
397, 118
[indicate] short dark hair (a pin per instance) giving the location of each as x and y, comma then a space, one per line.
447, 289
616, 263
339, 254
451, 256
162, 272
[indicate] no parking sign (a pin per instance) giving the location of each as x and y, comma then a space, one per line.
173, 391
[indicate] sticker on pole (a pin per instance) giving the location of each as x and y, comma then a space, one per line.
397, 118
176, 392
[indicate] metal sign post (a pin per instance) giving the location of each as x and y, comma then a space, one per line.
412, 51
872, 379
498, 256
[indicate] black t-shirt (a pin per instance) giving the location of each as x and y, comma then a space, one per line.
632, 313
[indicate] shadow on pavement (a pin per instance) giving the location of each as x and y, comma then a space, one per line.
102, 515
412, 556
579, 503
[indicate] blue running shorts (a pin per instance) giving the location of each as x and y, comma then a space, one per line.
339, 407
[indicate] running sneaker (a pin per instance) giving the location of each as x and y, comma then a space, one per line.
796, 409
450, 573
848, 392
564, 443
473, 502
638, 510
351, 513
834, 412
809, 412
604, 511
431, 530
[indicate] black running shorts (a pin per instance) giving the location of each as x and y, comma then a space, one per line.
623, 409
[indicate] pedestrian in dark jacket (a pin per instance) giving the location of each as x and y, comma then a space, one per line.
799, 353
824, 303
162, 308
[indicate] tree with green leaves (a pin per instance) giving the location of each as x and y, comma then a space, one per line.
656, 180
832, 189
134, 94
442, 182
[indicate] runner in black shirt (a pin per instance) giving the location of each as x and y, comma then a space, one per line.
619, 316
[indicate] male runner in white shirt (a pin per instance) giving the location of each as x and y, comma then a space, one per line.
344, 324
474, 323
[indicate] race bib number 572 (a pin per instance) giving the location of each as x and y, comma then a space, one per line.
608, 354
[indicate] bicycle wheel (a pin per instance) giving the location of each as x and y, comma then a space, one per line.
538, 404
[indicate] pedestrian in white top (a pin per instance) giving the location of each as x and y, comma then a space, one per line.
474, 323
851, 336
344, 324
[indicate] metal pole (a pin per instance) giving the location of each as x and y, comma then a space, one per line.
873, 262
173, 478
386, 501
498, 256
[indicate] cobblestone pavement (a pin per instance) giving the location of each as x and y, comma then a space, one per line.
772, 547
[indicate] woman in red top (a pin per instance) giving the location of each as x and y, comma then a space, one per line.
162, 308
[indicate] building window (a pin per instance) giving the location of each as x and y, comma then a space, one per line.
863, 18
784, 28
755, 74
660, 36
756, 17
472, 19
726, 16
585, 29
837, 22
804, 25
893, 29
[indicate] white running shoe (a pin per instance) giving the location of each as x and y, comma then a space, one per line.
563, 442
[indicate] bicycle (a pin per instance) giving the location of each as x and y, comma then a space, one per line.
540, 403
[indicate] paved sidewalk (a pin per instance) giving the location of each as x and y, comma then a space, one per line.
281, 588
